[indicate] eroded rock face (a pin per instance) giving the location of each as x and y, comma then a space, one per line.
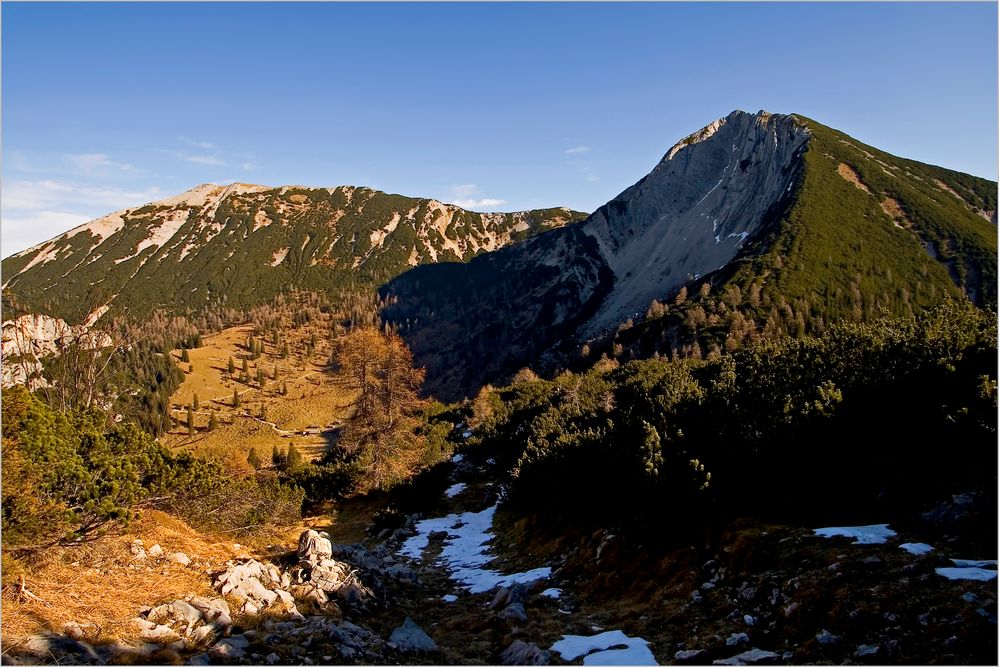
694, 211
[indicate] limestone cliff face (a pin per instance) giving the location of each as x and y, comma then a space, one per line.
691, 215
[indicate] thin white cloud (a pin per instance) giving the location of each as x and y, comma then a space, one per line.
464, 191
477, 204
88, 164
588, 174
20, 233
248, 166
35, 211
577, 150
51, 194
211, 160
204, 145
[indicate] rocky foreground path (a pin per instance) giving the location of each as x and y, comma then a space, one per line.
431, 590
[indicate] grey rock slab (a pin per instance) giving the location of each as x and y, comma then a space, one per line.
410, 638
827, 638
866, 650
514, 612
753, 656
522, 653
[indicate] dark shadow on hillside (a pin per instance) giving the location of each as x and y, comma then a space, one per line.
478, 323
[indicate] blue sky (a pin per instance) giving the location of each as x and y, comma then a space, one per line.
498, 106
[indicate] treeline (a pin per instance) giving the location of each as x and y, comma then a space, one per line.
861, 419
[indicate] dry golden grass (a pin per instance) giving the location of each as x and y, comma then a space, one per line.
312, 402
100, 583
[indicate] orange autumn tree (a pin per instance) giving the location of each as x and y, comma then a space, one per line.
382, 434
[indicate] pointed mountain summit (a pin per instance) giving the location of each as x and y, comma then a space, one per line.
792, 220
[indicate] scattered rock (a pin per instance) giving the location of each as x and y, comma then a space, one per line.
827, 638
138, 552
690, 655
514, 612
501, 598
865, 650
176, 613
155, 551
314, 547
410, 638
233, 647
154, 632
753, 656
179, 558
522, 653
737, 638
79, 630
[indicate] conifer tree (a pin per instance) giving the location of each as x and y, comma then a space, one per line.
213, 422
295, 459
195, 404
185, 357
235, 398
253, 458
190, 421
232, 367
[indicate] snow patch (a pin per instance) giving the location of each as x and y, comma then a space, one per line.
553, 593
972, 573
455, 489
963, 562
873, 534
599, 649
466, 552
916, 548
449, 598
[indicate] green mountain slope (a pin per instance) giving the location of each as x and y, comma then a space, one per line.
241, 245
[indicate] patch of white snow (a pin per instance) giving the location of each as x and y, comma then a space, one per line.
465, 551
963, 562
455, 489
972, 573
916, 548
873, 534
599, 649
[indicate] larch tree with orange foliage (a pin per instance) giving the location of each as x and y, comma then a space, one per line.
381, 436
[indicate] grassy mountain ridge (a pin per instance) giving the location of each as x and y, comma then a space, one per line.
242, 245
